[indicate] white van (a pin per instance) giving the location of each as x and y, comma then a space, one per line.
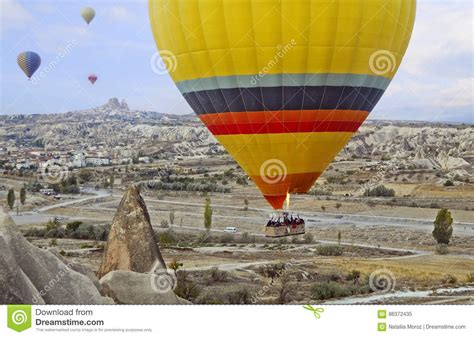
230, 230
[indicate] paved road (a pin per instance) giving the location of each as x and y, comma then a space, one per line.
40, 217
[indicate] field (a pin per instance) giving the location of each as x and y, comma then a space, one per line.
351, 242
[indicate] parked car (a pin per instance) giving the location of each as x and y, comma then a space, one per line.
230, 230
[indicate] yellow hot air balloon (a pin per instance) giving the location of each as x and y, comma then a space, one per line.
88, 14
282, 84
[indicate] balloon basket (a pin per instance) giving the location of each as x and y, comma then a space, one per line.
284, 224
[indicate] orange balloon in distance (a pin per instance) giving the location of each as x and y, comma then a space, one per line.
283, 85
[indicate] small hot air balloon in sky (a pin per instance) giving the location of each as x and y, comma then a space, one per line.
92, 78
283, 85
29, 62
88, 14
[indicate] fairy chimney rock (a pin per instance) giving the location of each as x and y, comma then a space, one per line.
131, 244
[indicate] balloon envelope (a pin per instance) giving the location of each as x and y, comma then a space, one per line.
88, 14
92, 78
283, 85
29, 62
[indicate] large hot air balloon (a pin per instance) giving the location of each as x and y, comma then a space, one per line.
88, 14
29, 62
92, 78
282, 84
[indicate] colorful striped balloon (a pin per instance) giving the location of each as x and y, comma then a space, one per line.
282, 84
29, 62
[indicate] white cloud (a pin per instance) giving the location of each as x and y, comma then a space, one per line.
13, 15
442, 34
119, 13
459, 94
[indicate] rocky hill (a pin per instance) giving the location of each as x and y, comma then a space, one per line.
113, 126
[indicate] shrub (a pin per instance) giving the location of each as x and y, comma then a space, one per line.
327, 290
240, 296
52, 224
167, 238
164, 224
379, 191
72, 226
203, 237
85, 232
353, 275
338, 205
53, 243
175, 265
216, 275
55, 233
285, 290
272, 270
185, 287
35, 232
329, 250
448, 183
442, 249
450, 279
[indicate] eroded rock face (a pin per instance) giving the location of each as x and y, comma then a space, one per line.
131, 244
127, 287
31, 275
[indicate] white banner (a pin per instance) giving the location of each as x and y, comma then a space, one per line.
237, 320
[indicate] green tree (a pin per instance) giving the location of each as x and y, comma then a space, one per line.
443, 227
207, 214
111, 181
339, 237
23, 195
11, 198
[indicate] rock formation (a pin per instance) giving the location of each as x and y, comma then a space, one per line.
31, 275
127, 287
124, 105
131, 244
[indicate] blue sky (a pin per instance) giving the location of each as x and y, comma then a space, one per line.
435, 81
